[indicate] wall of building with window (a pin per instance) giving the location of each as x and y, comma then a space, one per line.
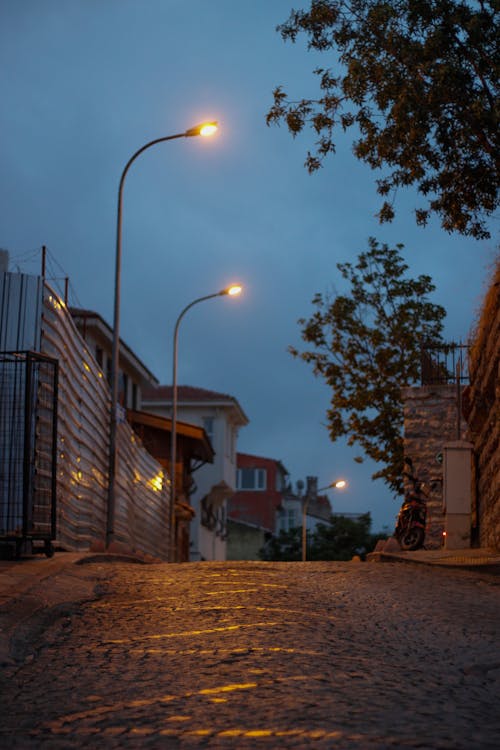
221, 417
133, 375
260, 484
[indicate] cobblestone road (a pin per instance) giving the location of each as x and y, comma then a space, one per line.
264, 655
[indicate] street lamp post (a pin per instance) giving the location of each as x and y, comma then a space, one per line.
232, 291
339, 484
204, 129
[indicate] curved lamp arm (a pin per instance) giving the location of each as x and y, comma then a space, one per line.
203, 129
232, 291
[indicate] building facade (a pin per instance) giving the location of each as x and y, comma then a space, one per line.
133, 376
221, 417
255, 509
193, 451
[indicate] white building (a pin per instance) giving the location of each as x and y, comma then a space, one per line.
221, 416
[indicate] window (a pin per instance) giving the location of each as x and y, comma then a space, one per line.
123, 389
230, 443
282, 525
251, 479
208, 426
280, 482
99, 356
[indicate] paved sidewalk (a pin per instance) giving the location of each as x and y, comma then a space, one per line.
256, 656
456, 558
20, 576
36, 590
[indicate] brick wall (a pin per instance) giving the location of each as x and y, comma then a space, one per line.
482, 410
430, 421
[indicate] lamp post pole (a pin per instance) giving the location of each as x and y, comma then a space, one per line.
203, 129
304, 527
232, 291
338, 485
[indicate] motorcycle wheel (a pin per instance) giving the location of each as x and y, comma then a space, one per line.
412, 538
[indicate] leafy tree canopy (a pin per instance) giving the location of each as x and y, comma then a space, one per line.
341, 539
418, 82
367, 345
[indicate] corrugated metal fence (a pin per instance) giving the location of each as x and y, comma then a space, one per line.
20, 312
143, 498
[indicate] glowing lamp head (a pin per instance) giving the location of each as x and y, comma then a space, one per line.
340, 484
204, 128
209, 128
231, 291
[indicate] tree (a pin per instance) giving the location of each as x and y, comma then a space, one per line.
287, 546
340, 539
418, 82
366, 346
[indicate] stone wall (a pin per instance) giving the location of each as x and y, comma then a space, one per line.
430, 421
482, 410
244, 540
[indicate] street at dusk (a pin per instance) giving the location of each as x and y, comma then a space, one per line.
261, 655
86, 84
249, 375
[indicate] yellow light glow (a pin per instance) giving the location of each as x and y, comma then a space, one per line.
157, 482
340, 484
235, 290
208, 128
228, 688
56, 303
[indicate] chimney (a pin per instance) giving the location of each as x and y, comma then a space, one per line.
312, 487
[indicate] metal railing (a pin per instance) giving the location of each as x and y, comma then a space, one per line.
444, 365
28, 445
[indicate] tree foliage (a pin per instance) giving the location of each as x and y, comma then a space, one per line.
367, 345
417, 80
341, 539
286, 546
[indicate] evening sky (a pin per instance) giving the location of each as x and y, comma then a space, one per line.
84, 84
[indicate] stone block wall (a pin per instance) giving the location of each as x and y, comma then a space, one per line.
482, 410
430, 421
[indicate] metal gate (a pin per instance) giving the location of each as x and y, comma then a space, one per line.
28, 450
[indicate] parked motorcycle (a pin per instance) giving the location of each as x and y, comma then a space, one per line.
410, 524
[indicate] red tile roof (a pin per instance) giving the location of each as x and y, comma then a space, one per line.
185, 393
194, 395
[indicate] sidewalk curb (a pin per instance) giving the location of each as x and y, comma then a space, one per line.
487, 560
36, 592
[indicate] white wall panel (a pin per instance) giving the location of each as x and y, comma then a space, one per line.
142, 490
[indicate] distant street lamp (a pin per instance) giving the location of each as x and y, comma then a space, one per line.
204, 129
339, 484
231, 291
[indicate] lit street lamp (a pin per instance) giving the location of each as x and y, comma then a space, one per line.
339, 484
204, 129
231, 291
